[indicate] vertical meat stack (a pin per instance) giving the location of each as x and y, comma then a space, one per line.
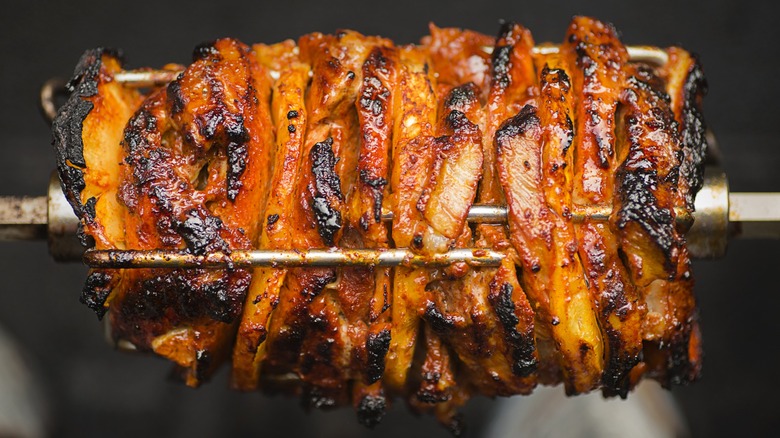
307, 145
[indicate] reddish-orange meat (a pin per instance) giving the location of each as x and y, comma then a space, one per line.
310, 144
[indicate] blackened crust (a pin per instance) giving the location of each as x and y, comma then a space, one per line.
374, 112
556, 83
67, 127
371, 410
523, 350
377, 345
694, 140
237, 153
639, 205
175, 219
186, 291
205, 50
326, 192
462, 98
96, 290
440, 323
501, 62
518, 125
650, 170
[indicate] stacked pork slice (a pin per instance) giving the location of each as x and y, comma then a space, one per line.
306, 145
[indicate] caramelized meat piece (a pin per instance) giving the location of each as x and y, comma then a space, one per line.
87, 135
647, 147
646, 182
445, 201
686, 86
488, 300
544, 245
596, 60
458, 57
438, 391
365, 293
195, 172
452, 184
511, 85
676, 354
289, 117
314, 339
414, 109
556, 109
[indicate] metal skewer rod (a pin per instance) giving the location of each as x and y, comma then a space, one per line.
289, 258
719, 215
497, 214
478, 257
755, 215
25, 218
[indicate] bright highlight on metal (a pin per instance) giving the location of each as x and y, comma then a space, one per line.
477, 257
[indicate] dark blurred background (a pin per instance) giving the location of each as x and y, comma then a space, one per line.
92, 390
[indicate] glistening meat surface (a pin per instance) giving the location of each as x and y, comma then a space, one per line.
308, 144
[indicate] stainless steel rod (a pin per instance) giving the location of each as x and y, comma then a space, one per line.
720, 215
23, 218
20, 212
497, 214
755, 215
288, 258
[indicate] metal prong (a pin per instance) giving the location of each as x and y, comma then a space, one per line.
649, 54
288, 258
546, 49
48, 99
146, 78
